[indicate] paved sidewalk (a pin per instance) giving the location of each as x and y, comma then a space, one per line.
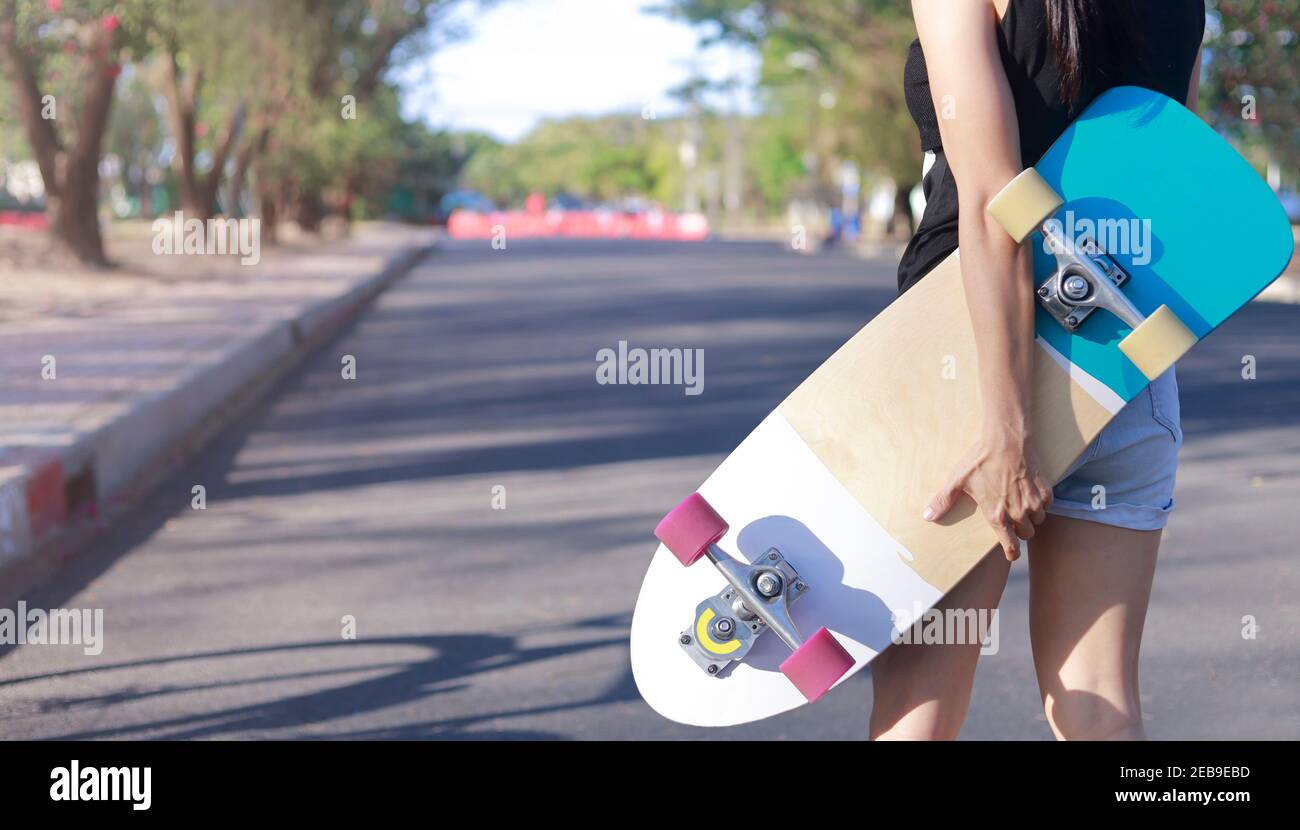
110, 377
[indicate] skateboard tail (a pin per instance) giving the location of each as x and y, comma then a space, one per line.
776, 495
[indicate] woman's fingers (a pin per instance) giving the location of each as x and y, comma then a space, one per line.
1013, 508
943, 502
1010, 544
1035, 499
1004, 527
1025, 530
1025, 521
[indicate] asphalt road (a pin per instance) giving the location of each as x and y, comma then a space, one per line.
377, 499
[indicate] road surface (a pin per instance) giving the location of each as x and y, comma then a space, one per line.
481, 508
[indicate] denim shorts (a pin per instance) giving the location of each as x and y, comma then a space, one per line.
1125, 477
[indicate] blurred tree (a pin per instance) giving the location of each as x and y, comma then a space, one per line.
604, 159
365, 153
136, 137
427, 168
62, 60
290, 96
835, 68
1250, 86
344, 49
777, 159
206, 68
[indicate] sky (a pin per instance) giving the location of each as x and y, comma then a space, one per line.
525, 60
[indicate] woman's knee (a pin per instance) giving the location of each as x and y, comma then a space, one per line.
1085, 716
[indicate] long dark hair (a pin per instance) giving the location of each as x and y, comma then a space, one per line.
1090, 38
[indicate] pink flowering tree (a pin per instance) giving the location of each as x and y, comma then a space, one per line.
61, 59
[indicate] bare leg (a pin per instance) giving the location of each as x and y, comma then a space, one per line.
1089, 585
922, 692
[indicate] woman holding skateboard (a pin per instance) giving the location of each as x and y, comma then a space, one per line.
990, 84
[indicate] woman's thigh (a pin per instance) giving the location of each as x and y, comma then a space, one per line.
1089, 586
922, 692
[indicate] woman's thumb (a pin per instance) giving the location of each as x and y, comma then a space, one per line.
942, 503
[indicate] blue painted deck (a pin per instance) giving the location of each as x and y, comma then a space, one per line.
1217, 234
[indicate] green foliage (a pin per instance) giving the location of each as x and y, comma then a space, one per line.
1251, 50
13, 143
136, 134
602, 159
302, 80
55, 38
831, 81
777, 161
334, 121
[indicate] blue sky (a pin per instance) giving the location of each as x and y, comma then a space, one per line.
525, 60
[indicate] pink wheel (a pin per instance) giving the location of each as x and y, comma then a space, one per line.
690, 528
817, 664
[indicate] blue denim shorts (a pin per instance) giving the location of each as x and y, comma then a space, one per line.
1125, 477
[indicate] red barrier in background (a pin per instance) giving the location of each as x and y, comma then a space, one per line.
590, 224
35, 221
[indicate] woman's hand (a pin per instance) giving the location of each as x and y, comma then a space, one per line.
1001, 474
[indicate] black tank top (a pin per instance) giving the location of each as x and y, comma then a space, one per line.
1171, 32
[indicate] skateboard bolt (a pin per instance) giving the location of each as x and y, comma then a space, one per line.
713, 669
768, 585
1076, 288
724, 627
685, 639
1044, 291
1072, 321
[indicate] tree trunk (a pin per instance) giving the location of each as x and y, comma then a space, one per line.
70, 176
212, 183
75, 224
243, 165
146, 197
311, 210
351, 186
181, 98
235, 188
268, 209
198, 194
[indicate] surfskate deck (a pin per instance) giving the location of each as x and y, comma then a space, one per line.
835, 478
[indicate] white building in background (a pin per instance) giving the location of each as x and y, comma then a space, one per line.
22, 180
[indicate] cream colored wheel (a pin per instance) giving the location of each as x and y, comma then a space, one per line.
1022, 205
1158, 342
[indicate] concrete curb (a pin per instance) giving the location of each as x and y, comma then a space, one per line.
54, 500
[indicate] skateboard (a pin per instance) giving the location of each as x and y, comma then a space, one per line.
807, 551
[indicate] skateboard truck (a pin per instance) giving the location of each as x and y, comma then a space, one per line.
1087, 279
757, 598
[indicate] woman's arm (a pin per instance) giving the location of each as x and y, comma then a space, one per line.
977, 122
1194, 84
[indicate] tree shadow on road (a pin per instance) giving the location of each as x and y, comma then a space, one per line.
451, 664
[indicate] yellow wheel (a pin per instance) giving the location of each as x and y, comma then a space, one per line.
1023, 204
1157, 343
